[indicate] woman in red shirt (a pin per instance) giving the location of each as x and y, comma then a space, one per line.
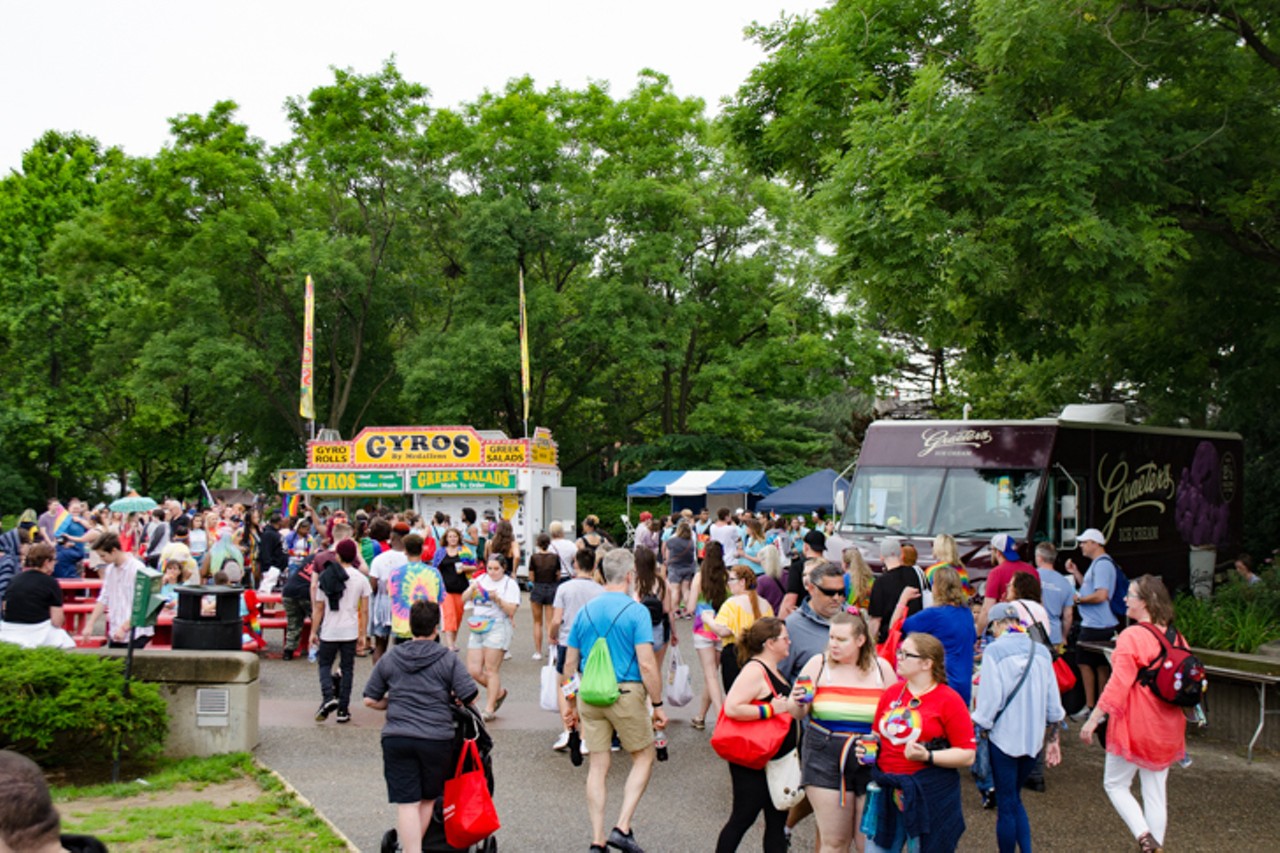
1145, 734
926, 736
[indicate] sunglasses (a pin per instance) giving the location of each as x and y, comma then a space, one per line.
831, 592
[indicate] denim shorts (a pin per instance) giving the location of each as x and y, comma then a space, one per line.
820, 762
543, 593
497, 637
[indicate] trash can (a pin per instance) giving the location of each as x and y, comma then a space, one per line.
217, 631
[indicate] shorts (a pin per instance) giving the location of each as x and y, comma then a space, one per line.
660, 636
701, 642
681, 574
628, 717
497, 637
380, 630
820, 762
1094, 635
560, 653
451, 612
543, 593
415, 768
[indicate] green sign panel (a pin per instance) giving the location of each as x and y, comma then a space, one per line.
342, 482
146, 598
464, 480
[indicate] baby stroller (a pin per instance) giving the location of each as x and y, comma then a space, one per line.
467, 725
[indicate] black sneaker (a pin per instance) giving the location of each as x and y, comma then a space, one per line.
988, 799
344, 716
1036, 785
288, 654
326, 708
624, 841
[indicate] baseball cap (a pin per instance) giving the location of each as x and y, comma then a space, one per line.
1003, 610
816, 540
1005, 544
1092, 534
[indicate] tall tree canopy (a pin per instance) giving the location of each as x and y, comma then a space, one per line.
673, 295
1080, 201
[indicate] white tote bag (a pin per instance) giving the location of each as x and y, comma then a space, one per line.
550, 685
783, 776
679, 687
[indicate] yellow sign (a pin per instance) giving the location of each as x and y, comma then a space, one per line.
543, 451
462, 481
408, 446
290, 482
331, 453
510, 506
504, 453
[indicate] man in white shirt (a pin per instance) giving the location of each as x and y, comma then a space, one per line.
116, 597
727, 535
342, 614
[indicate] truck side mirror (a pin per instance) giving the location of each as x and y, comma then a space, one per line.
1068, 521
839, 502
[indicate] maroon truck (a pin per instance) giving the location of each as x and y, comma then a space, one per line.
1167, 500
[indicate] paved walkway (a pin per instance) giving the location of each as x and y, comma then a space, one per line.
1220, 803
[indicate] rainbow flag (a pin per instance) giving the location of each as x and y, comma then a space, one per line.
293, 506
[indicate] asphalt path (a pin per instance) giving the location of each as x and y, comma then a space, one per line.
1219, 803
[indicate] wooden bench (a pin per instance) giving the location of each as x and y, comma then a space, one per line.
1260, 681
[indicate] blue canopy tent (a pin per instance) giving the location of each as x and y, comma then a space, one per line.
816, 491
687, 488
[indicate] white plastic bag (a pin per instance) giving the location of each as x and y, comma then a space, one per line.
550, 686
679, 688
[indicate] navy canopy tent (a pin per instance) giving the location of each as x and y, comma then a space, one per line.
816, 491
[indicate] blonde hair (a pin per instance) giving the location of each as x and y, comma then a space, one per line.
771, 560
945, 549
948, 588
860, 575
858, 626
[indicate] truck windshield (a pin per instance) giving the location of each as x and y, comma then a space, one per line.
928, 501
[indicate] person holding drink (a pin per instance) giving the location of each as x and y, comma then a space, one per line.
838, 692
926, 736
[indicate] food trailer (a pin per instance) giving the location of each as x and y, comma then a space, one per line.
442, 469
1168, 501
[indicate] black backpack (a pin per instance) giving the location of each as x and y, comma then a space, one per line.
654, 604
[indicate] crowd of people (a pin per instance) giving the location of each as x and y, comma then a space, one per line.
893, 682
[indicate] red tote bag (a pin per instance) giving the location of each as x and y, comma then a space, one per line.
750, 743
469, 815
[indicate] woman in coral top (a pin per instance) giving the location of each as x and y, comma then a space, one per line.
1144, 734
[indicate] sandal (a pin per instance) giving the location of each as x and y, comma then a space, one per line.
1147, 844
501, 699
698, 723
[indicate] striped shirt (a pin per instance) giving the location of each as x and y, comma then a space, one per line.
845, 709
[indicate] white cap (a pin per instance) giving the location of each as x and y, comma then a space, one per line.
1092, 534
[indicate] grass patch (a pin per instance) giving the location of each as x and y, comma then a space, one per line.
225, 802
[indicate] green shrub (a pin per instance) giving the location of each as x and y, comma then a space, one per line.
60, 708
1238, 618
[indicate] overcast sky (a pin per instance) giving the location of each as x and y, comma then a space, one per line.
118, 70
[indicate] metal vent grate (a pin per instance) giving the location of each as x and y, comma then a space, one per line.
213, 702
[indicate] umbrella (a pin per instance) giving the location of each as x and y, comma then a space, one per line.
133, 502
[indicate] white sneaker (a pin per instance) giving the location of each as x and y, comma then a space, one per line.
537, 655
506, 655
562, 742
1082, 715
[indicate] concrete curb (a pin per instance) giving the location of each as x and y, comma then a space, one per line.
296, 793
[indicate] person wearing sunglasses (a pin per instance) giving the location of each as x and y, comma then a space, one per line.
926, 736
735, 616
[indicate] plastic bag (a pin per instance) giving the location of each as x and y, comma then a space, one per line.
679, 687
547, 696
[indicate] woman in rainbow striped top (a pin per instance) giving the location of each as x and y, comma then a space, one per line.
847, 682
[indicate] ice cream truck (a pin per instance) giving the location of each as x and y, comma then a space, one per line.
1168, 501
443, 469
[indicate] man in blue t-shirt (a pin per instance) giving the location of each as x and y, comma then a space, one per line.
1097, 622
626, 627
